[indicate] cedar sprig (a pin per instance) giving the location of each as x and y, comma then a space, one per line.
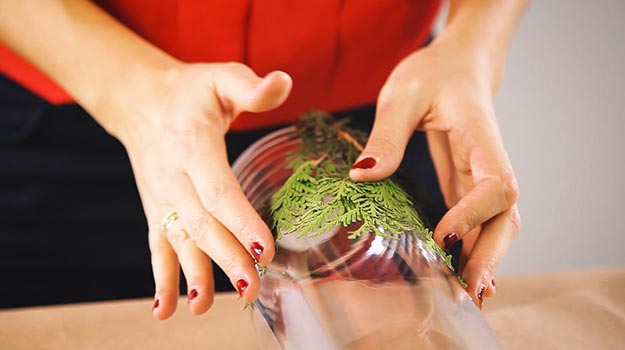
319, 195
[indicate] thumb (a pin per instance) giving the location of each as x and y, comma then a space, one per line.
240, 90
386, 145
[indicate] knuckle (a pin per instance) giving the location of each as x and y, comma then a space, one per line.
190, 137
488, 267
483, 265
470, 218
511, 189
177, 238
507, 187
515, 221
238, 69
229, 263
213, 198
199, 226
387, 143
243, 229
186, 138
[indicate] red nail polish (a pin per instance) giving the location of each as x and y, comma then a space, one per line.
450, 239
242, 286
257, 250
156, 302
480, 292
365, 163
493, 282
192, 295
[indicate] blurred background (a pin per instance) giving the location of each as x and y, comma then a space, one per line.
561, 109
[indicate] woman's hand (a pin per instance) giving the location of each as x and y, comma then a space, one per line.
447, 92
175, 141
172, 118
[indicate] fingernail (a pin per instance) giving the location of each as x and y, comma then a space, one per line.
241, 286
192, 295
365, 163
156, 302
480, 292
257, 250
450, 239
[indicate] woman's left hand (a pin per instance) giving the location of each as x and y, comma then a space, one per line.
447, 92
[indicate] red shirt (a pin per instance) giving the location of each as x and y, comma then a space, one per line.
338, 52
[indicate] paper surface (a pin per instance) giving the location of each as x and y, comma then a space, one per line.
568, 310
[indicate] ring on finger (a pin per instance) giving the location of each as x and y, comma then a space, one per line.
168, 220
171, 228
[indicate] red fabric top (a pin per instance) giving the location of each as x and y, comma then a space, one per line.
338, 52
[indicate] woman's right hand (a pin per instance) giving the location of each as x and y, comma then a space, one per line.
175, 142
172, 118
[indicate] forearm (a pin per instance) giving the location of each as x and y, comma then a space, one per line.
100, 62
482, 29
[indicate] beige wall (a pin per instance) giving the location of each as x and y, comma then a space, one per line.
561, 109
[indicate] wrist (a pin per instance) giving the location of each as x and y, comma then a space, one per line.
123, 104
481, 30
475, 62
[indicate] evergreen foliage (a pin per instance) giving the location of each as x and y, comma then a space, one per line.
319, 195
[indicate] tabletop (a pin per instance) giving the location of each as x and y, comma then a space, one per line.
563, 310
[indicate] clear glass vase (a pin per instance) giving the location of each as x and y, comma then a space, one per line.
332, 292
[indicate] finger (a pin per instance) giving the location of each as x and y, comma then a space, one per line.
165, 268
221, 195
197, 268
490, 247
485, 200
495, 185
468, 242
215, 240
440, 152
240, 89
395, 121
166, 273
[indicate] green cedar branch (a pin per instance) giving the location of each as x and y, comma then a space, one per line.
319, 194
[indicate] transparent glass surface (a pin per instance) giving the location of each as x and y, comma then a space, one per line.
332, 292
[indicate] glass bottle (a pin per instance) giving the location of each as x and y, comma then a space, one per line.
332, 292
